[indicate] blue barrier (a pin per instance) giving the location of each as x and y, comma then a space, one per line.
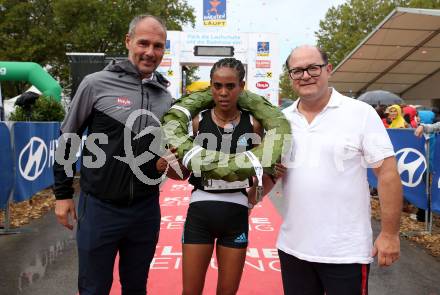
411, 163
35, 145
6, 165
435, 187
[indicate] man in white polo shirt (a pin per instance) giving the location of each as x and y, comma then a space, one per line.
325, 242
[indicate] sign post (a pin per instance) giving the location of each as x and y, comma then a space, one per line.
2, 108
428, 212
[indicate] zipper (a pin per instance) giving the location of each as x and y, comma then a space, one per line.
131, 196
148, 108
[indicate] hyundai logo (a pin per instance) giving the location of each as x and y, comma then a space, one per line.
411, 165
32, 159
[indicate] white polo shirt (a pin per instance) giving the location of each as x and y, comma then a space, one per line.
325, 188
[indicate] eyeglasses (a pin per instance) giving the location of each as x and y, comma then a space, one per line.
312, 70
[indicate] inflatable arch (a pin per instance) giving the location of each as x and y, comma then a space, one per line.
32, 73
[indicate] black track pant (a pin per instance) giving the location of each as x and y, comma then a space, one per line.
310, 278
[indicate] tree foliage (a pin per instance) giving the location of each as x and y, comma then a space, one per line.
191, 74
346, 25
43, 30
45, 109
285, 85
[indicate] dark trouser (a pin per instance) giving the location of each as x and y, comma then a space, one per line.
310, 278
103, 230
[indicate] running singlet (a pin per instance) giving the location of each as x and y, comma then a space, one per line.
212, 137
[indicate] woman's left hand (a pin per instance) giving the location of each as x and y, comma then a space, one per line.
252, 194
279, 170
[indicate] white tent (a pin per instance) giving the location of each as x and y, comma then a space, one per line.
402, 55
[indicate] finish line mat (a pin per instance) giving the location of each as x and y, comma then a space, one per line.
261, 273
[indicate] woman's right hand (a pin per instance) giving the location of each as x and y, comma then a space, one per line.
279, 170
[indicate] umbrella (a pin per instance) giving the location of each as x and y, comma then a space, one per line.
380, 97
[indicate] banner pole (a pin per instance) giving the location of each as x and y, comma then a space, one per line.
428, 212
2, 106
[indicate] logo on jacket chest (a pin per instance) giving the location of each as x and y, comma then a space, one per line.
123, 101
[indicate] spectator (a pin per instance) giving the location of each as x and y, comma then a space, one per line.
395, 117
436, 113
426, 116
381, 111
411, 116
428, 130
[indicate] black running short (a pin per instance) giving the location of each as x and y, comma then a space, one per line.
209, 220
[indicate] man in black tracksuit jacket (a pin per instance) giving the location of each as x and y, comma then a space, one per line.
118, 210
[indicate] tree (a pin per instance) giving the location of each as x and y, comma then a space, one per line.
25, 28
427, 4
45, 109
285, 85
191, 74
40, 30
345, 26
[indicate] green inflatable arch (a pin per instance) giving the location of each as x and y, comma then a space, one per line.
32, 73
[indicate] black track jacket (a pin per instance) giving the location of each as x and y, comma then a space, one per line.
103, 103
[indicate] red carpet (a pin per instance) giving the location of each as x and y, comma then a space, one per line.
261, 272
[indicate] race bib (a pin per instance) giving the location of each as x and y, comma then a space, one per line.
216, 184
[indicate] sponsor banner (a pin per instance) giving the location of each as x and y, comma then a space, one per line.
262, 264
263, 74
262, 64
166, 62
168, 47
34, 157
435, 187
214, 13
6, 169
263, 48
262, 85
411, 164
167, 73
191, 39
